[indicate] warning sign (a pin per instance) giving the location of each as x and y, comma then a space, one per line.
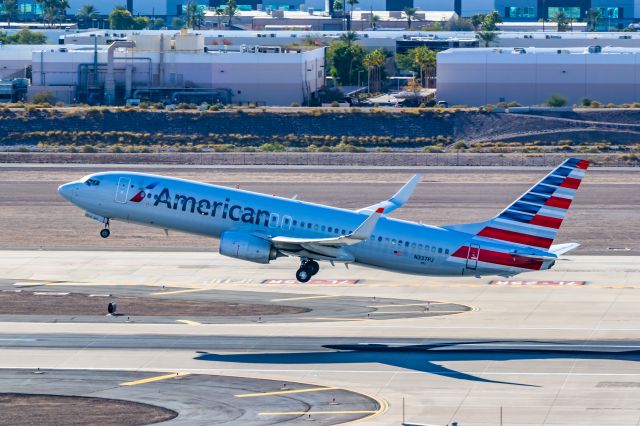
536, 282
311, 281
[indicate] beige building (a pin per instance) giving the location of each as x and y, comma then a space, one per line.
530, 76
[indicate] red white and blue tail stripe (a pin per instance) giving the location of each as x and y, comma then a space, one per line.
534, 218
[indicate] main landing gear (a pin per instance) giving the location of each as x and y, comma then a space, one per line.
104, 233
308, 269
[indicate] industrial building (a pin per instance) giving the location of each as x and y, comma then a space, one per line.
177, 69
530, 76
613, 13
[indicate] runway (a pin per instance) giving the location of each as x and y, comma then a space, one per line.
560, 347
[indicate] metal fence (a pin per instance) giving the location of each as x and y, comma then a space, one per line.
388, 159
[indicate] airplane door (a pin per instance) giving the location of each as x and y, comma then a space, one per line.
123, 190
472, 256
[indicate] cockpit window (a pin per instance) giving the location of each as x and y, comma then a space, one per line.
92, 182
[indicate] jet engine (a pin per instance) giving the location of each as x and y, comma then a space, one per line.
242, 245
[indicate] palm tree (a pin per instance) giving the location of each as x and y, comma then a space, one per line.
351, 3
194, 15
425, 59
374, 61
476, 21
373, 21
410, 12
219, 11
562, 20
87, 13
10, 10
349, 37
53, 9
231, 10
592, 16
487, 37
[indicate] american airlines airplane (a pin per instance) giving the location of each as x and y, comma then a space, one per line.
260, 228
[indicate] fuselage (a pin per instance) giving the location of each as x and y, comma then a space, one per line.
210, 210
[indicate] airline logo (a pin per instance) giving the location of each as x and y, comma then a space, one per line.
534, 218
142, 193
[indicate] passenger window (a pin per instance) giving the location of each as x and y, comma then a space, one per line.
413, 245
446, 251
419, 246
330, 229
309, 225
426, 247
406, 243
344, 232
302, 224
399, 242
379, 239
295, 222
393, 242
273, 221
433, 249
440, 250
315, 227
323, 228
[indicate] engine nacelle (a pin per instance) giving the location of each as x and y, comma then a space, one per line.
246, 247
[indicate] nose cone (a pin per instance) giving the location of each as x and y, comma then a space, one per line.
66, 190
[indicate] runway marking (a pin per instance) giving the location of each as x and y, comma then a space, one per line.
285, 392
188, 290
154, 379
188, 322
315, 413
425, 311
289, 299
407, 304
334, 319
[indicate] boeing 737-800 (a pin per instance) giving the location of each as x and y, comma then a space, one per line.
261, 228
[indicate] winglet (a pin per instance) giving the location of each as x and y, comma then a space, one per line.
399, 198
365, 230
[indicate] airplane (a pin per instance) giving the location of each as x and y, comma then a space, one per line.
261, 228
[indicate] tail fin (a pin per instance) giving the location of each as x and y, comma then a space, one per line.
534, 218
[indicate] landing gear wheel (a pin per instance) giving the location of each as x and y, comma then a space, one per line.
105, 233
313, 267
303, 274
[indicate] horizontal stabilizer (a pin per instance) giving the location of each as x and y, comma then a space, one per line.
560, 249
398, 200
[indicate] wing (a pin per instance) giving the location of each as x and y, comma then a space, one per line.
398, 200
328, 248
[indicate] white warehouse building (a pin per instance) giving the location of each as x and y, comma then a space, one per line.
530, 76
177, 68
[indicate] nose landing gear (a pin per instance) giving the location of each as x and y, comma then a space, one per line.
104, 233
308, 269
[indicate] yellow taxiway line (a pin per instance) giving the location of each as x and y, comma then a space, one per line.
285, 392
315, 413
287, 299
188, 322
154, 379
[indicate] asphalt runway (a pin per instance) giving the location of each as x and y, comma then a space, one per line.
557, 347
35, 217
199, 399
